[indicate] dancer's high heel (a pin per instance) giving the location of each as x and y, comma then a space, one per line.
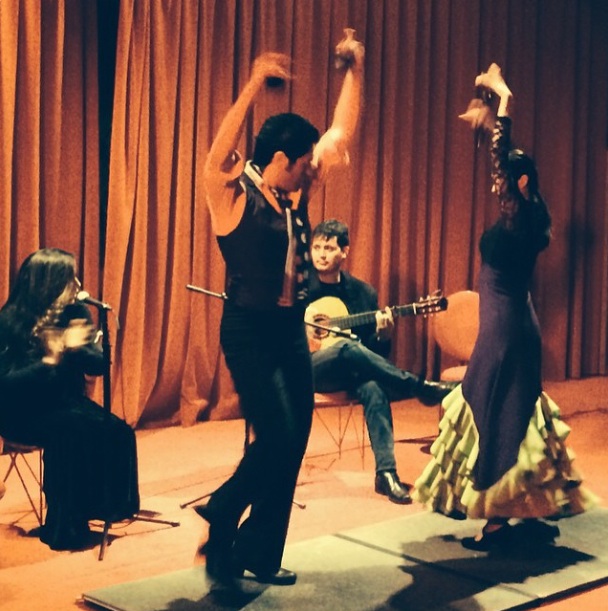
489, 540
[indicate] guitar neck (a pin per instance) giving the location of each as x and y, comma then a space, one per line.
364, 318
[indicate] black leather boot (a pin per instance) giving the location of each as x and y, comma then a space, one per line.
432, 393
389, 484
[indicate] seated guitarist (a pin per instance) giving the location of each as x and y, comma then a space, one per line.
361, 367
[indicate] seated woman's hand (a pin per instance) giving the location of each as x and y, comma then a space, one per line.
56, 340
52, 339
78, 333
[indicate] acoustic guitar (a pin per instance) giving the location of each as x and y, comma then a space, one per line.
328, 319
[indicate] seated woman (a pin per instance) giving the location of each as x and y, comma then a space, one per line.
46, 348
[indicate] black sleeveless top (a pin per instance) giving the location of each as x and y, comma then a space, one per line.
256, 252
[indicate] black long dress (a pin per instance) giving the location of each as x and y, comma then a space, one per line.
501, 451
90, 457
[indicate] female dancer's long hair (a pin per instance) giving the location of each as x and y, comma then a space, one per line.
519, 164
45, 285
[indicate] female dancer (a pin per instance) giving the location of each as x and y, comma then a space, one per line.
500, 453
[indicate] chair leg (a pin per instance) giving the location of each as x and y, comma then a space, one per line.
41, 498
343, 428
335, 439
359, 436
363, 430
14, 456
343, 423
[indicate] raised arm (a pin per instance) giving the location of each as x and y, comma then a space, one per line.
507, 192
221, 153
334, 144
348, 107
223, 161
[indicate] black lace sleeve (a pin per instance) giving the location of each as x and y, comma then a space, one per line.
503, 184
523, 228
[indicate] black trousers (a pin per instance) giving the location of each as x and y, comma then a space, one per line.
269, 360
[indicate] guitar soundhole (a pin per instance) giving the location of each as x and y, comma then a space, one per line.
320, 319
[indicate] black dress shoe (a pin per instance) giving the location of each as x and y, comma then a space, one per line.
389, 484
432, 393
282, 577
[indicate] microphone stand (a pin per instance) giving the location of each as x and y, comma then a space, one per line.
347, 334
198, 289
103, 310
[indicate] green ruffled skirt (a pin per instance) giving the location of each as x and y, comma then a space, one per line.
542, 484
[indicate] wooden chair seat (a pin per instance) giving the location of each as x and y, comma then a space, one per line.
453, 374
332, 399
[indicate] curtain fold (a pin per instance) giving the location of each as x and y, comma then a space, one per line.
416, 195
49, 160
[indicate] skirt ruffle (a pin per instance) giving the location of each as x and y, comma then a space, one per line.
542, 484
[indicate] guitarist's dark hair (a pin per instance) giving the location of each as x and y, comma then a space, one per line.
332, 228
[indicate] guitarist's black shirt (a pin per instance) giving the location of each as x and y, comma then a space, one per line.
358, 297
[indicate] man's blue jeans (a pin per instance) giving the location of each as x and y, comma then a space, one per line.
349, 365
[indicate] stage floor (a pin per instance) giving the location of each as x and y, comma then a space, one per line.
179, 464
415, 562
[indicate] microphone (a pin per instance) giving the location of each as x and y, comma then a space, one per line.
86, 298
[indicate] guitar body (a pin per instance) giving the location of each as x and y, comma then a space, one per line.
328, 315
321, 312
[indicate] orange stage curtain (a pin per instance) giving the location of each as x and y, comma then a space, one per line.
416, 195
49, 157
